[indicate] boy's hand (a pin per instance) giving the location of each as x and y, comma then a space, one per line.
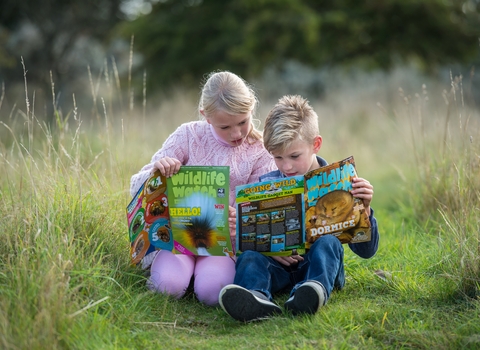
288, 260
168, 166
232, 220
364, 190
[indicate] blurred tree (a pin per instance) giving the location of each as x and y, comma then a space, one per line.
183, 39
44, 33
383, 32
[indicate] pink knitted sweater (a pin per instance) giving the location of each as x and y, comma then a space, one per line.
194, 143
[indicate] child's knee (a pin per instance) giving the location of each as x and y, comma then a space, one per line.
249, 257
208, 289
174, 279
211, 275
175, 287
327, 242
208, 297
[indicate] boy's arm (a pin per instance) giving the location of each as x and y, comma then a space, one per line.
367, 249
364, 190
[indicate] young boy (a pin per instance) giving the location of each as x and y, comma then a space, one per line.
291, 136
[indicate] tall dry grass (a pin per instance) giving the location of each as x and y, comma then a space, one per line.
65, 278
447, 187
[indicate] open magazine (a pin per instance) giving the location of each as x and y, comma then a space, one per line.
286, 216
186, 214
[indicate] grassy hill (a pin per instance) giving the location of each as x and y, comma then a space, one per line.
65, 278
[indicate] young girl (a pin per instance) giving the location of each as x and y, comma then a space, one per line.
225, 136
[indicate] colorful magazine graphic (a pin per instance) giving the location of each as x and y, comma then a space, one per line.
185, 214
330, 208
286, 216
269, 216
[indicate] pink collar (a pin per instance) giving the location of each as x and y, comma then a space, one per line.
218, 138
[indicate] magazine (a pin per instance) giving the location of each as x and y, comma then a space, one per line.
286, 216
185, 214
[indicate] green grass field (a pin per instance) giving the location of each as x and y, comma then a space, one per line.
65, 278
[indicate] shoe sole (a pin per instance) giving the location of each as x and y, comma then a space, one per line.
302, 302
242, 305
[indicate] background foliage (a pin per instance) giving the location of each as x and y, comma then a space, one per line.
89, 118
45, 33
181, 40
177, 42
65, 277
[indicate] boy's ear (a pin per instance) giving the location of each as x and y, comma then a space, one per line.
317, 143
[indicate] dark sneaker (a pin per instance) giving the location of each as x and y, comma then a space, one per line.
246, 305
308, 298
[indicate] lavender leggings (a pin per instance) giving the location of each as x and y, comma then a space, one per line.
171, 274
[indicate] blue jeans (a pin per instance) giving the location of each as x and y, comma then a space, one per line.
322, 263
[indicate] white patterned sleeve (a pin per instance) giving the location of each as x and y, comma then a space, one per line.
175, 146
265, 164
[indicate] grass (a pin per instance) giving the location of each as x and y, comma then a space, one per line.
65, 278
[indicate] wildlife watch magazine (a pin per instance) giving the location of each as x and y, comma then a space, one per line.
185, 214
286, 216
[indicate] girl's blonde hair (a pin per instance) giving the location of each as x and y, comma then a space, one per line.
227, 92
291, 119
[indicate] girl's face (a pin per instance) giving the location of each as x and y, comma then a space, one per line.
299, 158
233, 129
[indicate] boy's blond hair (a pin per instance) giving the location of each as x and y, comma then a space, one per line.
226, 91
291, 119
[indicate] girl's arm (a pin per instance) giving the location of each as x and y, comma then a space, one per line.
175, 148
265, 164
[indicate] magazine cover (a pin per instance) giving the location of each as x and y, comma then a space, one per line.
149, 221
185, 214
198, 206
269, 217
330, 208
286, 216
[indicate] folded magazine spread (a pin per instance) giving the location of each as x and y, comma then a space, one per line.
186, 214
286, 216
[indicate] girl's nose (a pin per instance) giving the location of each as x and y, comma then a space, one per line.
236, 134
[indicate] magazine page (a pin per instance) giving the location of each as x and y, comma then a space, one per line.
269, 217
149, 221
198, 206
330, 208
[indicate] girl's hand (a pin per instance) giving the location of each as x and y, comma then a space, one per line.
168, 166
364, 190
232, 220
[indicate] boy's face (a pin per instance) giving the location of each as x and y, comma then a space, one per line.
299, 158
